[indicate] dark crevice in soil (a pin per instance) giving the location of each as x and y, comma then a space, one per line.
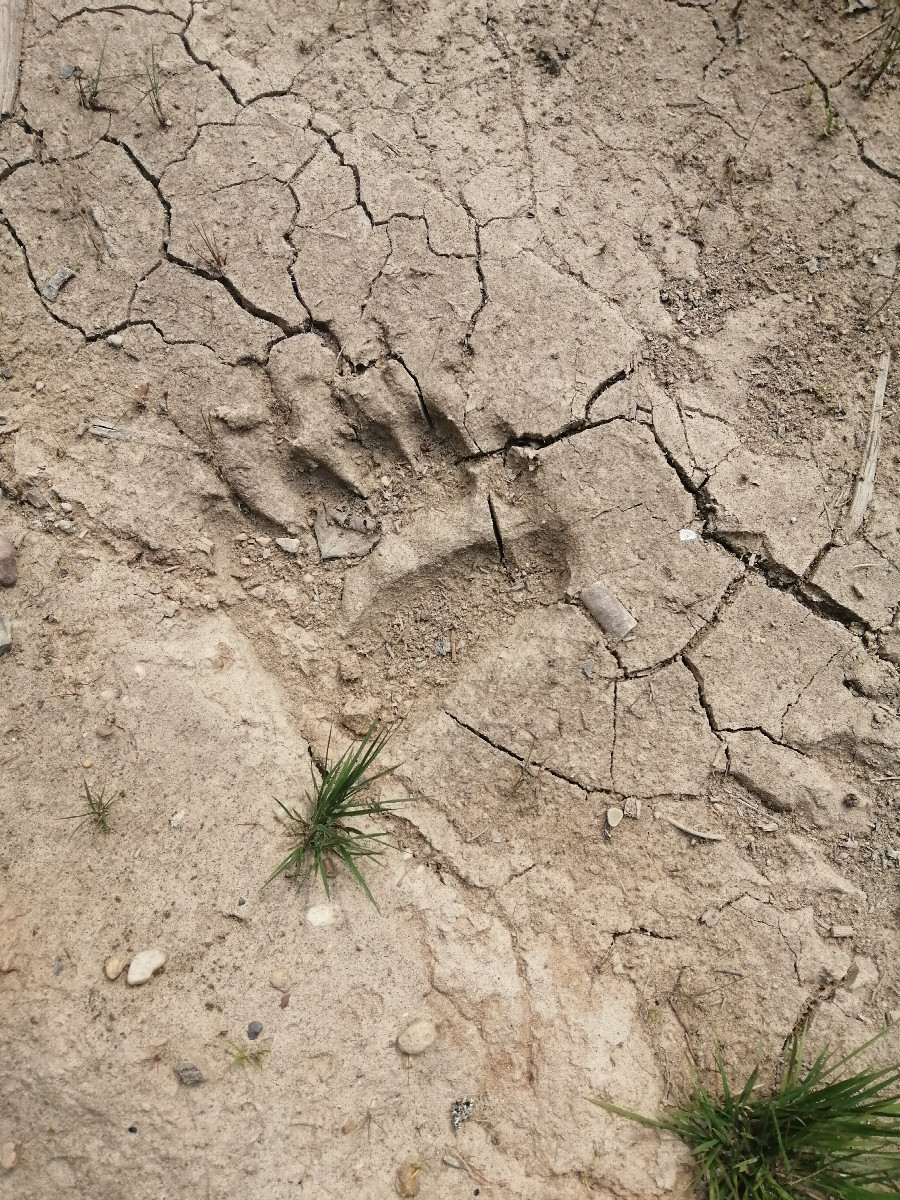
496, 524
7, 224
397, 357
557, 774
286, 327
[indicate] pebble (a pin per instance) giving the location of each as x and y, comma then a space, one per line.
288, 545
8, 569
254, 1029
114, 967
8, 1156
258, 593
87, 763
406, 1182
145, 964
281, 980
114, 339
608, 611
66, 526
177, 820
632, 807
189, 1075
321, 915
5, 635
104, 731
417, 1037
842, 931
613, 817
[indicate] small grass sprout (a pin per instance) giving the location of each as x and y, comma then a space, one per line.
212, 258
89, 86
154, 89
822, 1134
888, 48
96, 810
830, 113
242, 1057
336, 803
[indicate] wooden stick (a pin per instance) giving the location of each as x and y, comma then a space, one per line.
707, 837
12, 27
865, 482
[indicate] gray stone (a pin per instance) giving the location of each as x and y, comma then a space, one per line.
56, 283
115, 339
254, 1029
36, 500
288, 545
608, 611
8, 569
5, 636
189, 1075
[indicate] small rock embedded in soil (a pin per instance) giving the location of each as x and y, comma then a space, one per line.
842, 931
288, 545
8, 570
407, 1179
56, 283
281, 979
189, 1075
8, 1156
417, 1037
321, 915
5, 636
349, 1125
114, 967
608, 611
144, 965
254, 1029
614, 817
114, 339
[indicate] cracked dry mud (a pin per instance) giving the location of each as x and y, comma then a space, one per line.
477, 304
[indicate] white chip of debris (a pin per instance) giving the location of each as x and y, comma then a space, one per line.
608, 611
687, 535
288, 545
145, 965
321, 915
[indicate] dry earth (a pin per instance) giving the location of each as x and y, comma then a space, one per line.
476, 304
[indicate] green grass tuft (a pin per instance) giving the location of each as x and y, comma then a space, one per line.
96, 810
243, 1057
823, 1134
334, 804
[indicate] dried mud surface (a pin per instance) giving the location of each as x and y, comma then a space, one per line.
478, 304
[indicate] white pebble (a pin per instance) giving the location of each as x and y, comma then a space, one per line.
417, 1037
321, 915
177, 820
613, 817
114, 339
144, 965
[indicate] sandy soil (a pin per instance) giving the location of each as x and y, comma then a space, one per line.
472, 305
